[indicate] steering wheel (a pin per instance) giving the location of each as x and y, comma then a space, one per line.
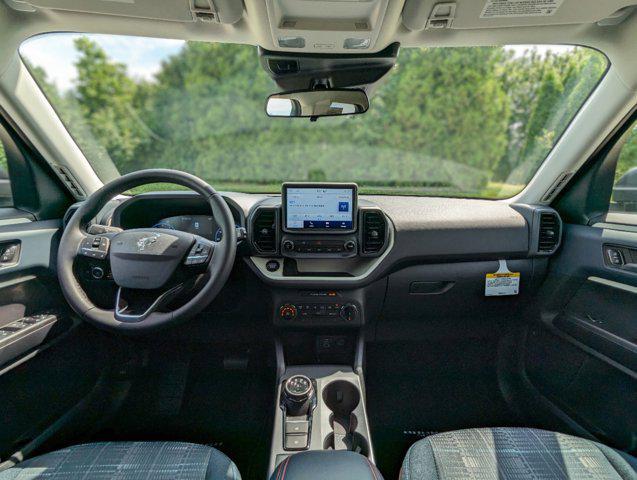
150, 266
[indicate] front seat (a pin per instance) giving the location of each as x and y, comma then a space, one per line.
128, 461
513, 453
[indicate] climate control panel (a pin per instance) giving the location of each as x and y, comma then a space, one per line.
302, 246
323, 313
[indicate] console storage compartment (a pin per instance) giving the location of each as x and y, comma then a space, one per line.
319, 465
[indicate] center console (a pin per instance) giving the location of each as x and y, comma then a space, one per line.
320, 408
313, 245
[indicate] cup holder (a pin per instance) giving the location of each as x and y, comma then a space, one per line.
342, 398
354, 442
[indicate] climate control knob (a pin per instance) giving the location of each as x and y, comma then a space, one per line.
288, 245
348, 312
287, 312
350, 246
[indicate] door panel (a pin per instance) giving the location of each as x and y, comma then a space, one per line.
28, 300
584, 358
49, 361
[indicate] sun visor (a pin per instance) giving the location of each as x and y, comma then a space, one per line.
217, 11
475, 14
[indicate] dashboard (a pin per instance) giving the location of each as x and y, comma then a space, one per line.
320, 234
326, 254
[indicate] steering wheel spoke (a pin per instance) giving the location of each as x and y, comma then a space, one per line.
133, 305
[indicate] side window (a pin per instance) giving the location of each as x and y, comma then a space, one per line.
624, 197
6, 199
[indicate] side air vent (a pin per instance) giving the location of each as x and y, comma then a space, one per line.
264, 231
374, 229
69, 180
549, 232
69, 213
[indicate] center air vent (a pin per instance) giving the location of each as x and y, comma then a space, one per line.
374, 231
264, 230
548, 232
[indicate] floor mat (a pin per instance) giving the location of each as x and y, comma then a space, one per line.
196, 397
415, 390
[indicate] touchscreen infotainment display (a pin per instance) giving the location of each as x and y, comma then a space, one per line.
319, 207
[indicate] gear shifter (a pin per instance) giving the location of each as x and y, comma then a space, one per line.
298, 395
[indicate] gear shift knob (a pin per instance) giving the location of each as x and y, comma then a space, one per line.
298, 392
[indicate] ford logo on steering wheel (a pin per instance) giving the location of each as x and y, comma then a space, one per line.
144, 242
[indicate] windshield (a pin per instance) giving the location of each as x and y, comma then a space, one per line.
467, 122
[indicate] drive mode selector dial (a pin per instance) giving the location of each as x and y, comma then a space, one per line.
298, 395
298, 387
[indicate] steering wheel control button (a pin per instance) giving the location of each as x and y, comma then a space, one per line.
272, 265
198, 254
95, 246
97, 273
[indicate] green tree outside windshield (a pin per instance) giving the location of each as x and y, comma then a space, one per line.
471, 122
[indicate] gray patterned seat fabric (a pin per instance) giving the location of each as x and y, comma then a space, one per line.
513, 454
128, 461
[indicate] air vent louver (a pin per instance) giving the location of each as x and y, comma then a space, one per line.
374, 229
264, 230
549, 232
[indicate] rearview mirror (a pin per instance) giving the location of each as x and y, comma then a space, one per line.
317, 103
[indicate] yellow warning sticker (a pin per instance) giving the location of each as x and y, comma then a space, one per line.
503, 282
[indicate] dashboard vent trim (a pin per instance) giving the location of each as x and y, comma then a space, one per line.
373, 232
264, 231
557, 186
549, 232
69, 180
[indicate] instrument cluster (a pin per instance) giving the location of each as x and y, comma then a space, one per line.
203, 225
